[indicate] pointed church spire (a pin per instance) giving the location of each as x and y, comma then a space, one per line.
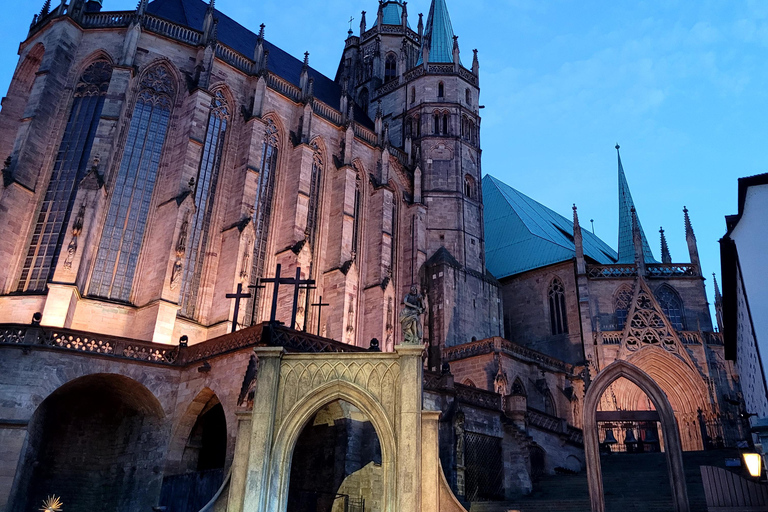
362, 23
304, 76
578, 242
404, 16
718, 304
438, 34
420, 27
665, 256
690, 238
626, 206
475, 63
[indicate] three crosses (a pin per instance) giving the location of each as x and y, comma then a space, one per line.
297, 282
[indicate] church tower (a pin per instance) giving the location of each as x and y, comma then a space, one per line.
413, 83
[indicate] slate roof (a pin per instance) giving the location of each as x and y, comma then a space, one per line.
522, 234
626, 243
191, 13
439, 33
392, 13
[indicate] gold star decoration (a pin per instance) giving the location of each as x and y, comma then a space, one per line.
52, 504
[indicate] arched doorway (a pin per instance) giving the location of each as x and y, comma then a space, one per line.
194, 480
669, 429
336, 464
97, 442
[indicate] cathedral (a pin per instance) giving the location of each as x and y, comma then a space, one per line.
199, 233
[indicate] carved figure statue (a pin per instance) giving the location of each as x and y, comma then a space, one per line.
410, 317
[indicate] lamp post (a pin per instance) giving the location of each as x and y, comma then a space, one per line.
754, 463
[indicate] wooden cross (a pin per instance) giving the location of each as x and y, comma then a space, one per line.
277, 281
237, 296
320, 305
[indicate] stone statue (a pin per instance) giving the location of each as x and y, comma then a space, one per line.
410, 317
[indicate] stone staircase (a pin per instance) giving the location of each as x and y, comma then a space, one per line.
631, 482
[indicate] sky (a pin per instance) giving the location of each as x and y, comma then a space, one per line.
682, 86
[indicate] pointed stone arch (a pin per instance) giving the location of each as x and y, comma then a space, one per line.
673, 448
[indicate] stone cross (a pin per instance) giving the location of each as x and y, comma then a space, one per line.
237, 296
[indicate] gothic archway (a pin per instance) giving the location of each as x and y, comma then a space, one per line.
97, 442
673, 448
289, 433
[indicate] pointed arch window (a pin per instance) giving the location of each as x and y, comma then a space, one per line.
205, 194
390, 68
440, 90
557, 313
314, 195
69, 168
672, 306
357, 212
468, 97
621, 304
518, 388
364, 99
549, 404
121, 240
408, 127
445, 123
413, 95
436, 119
469, 186
262, 208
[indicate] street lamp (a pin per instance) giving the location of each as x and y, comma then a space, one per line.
754, 463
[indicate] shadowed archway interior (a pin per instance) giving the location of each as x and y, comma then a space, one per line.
336, 463
98, 443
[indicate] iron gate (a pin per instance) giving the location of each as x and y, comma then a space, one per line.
484, 468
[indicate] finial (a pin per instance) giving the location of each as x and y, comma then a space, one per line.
46, 8
665, 256
211, 5
306, 59
688, 225
261, 32
617, 146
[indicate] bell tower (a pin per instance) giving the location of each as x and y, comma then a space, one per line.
415, 85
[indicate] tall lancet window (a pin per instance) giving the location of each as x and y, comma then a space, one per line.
557, 315
262, 208
69, 168
120, 244
314, 196
672, 306
621, 306
390, 68
357, 212
205, 193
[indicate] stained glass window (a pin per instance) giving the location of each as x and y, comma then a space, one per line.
672, 306
390, 68
69, 168
557, 315
621, 306
356, 223
314, 196
126, 222
262, 208
205, 193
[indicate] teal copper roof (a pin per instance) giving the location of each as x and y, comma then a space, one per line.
392, 13
439, 33
522, 234
626, 245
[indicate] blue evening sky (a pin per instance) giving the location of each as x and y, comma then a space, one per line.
681, 85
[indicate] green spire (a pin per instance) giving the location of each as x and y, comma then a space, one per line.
438, 34
626, 205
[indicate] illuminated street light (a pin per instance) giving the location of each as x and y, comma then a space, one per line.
754, 464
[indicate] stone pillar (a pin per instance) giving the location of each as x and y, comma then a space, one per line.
409, 430
262, 428
240, 462
430, 460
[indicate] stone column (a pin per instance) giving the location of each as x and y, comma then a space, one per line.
409, 432
262, 428
430, 460
240, 462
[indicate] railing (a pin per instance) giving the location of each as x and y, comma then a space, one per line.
499, 344
551, 423
76, 341
479, 397
108, 19
414, 73
401, 156
365, 134
611, 271
388, 87
713, 338
690, 337
235, 59
467, 75
326, 112
284, 87
172, 30
612, 337
672, 270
